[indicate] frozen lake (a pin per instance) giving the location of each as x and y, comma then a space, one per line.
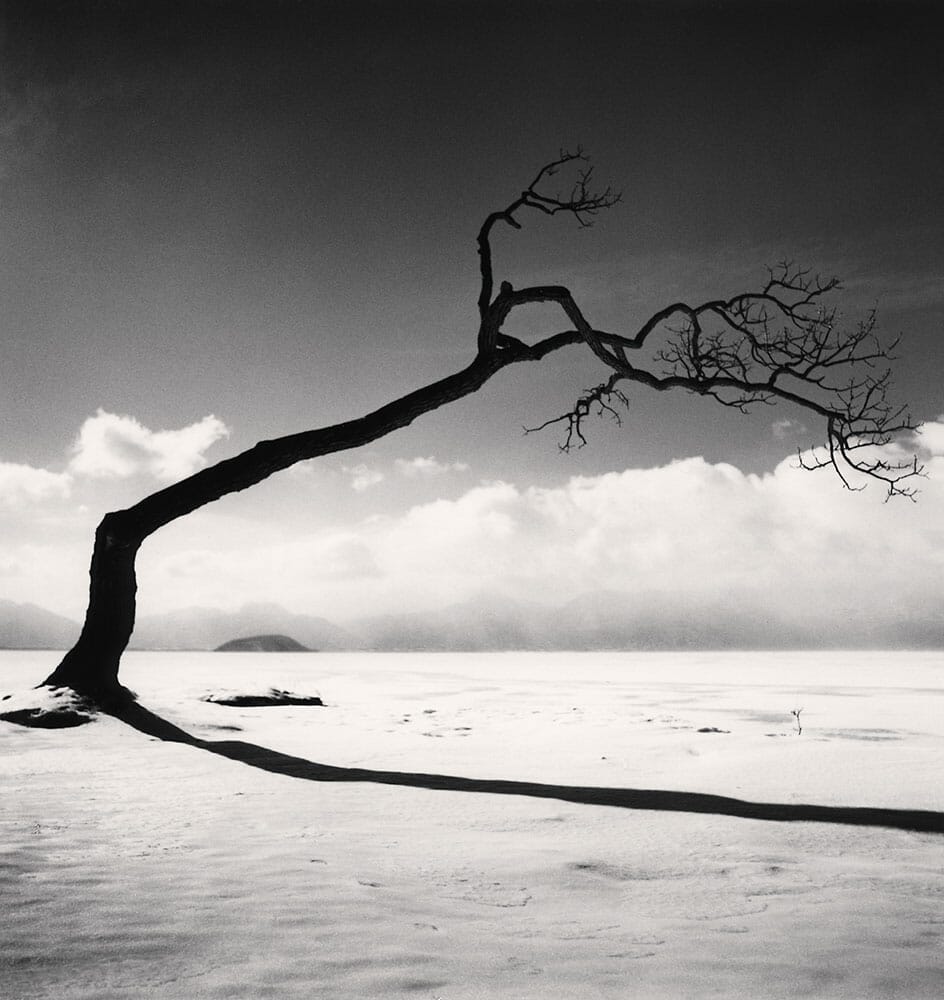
137, 866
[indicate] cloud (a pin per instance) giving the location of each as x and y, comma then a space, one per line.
427, 467
690, 536
304, 470
782, 429
363, 477
687, 535
51, 574
929, 438
24, 484
110, 446
9, 566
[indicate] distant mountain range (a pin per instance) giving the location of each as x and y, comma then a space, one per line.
28, 626
598, 621
208, 628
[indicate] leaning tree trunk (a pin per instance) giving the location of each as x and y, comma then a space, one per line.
91, 666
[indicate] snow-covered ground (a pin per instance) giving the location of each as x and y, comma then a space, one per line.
135, 867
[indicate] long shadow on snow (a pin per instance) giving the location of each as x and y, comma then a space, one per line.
923, 821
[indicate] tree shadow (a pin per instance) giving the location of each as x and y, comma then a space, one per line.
917, 820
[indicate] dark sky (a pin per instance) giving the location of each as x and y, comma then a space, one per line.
267, 211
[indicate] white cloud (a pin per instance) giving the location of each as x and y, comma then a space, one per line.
363, 477
50, 574
21, 484
782, 429
304, 470
427, 467
324, 557
112, 446
688, 535
930, 437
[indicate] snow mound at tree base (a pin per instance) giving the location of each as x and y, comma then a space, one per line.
47, 708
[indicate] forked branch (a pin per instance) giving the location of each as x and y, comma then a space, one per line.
782, 341
602, 400
581, 201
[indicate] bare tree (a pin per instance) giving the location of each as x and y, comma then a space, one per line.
779, 342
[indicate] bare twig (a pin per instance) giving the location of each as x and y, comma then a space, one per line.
582, 202
602, 400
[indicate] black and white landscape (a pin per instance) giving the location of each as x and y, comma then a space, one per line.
471, 487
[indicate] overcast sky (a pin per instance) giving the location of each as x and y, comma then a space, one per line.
223, 221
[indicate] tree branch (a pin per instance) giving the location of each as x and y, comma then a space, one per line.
602, 400
780, 342
582, 202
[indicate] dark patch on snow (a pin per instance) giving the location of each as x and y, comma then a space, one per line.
274, 697
38, 718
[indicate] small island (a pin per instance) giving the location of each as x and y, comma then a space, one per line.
263, 644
